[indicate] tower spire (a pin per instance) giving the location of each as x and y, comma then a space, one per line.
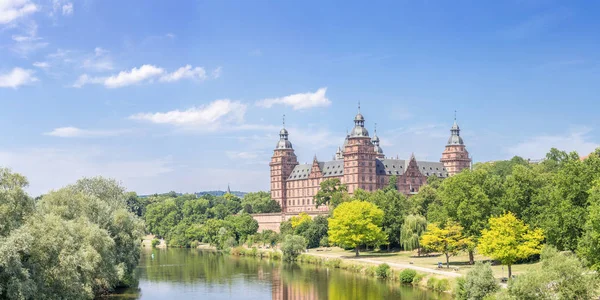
284, 120
455, 115
359, 107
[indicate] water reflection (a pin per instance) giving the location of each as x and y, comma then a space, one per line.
191, 274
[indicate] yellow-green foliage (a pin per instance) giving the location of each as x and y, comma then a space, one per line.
356, 223
417, 279
299, 219
510, 239
448, 240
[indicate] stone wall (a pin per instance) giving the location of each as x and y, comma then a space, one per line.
273, 220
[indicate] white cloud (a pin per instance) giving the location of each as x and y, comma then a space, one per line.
16, 78
11, 10
85, 79
537, 147
99, 61
299, 101
205, 118
67, 9
136, 75
216, 73
143, 74
41, 64
74, 132
186, 72
28, 41
62, 6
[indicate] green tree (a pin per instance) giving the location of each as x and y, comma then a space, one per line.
562, 276
260, 202
509, 239
392, 184
292, 246
465, 200
448, 240
589, 244
332, 192
243, 225
15, 204
478, 284
356, 223
412, 229
395, 207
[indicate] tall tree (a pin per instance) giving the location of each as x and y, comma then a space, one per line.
448, 240
356, 223
332, 192
465, 200
395, 208
509, 239
412, 229
15, 204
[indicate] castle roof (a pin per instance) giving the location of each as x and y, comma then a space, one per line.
383, 167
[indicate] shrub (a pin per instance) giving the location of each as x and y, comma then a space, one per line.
334, 263
292, 246
417, 279
442, 285
371, 271
194, 244
275, 255
478, 283
407, 275
155, 242
252, 252
431, 283
383, 271
236, 251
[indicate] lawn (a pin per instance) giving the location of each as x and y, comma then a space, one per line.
410, 257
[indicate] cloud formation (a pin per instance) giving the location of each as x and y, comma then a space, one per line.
299, 101
11, 10
206, 118
537, 147
144, 74
16, 78
74, 132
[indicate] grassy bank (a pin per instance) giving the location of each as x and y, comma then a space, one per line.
381, 271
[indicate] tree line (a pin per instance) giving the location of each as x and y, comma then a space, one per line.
77, 242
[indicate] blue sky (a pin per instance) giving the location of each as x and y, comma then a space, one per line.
189, 95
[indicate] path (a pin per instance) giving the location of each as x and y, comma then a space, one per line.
395, 265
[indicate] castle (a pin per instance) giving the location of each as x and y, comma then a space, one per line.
359, 164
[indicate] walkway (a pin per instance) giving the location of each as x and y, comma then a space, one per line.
394, 265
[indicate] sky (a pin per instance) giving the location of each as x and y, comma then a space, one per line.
189, 95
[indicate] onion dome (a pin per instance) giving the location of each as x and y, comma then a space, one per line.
455, 138
283, 143
359, 129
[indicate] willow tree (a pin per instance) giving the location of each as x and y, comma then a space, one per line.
412, 229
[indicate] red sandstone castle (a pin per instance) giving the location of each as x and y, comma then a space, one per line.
359, 164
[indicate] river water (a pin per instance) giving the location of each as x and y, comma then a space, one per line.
182, 274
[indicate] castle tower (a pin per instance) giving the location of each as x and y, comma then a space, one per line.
376, 148
359, 158
455, 157
282, 163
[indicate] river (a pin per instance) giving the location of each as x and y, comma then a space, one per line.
182, 274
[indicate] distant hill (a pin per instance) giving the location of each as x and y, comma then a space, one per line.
220, 193
200, 194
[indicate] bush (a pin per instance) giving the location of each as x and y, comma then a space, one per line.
236, 251
460, 293
275, 255
478, 283
383, 271
194, 244
407, 275
334, 263
417, 279
442, 285
292, 246
371, 271
155, 242
431, 283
